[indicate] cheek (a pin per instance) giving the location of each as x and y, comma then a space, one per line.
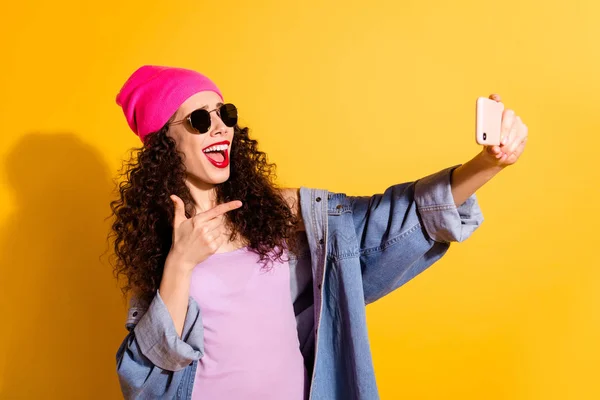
192, 151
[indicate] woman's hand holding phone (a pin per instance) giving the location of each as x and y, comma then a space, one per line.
502, 133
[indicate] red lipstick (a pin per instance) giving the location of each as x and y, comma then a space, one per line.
219, 163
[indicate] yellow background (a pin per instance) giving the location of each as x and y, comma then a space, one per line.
350, 96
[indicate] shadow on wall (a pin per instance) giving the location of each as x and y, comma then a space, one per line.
62, 313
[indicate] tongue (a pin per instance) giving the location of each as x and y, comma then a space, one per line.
217, 156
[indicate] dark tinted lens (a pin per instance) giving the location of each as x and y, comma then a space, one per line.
200, 120
229, 115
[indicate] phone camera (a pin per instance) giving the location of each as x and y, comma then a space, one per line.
484, 136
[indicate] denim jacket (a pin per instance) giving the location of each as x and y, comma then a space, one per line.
354, 251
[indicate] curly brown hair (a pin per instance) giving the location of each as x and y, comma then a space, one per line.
143, 213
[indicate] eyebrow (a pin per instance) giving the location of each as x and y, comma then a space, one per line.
205, 107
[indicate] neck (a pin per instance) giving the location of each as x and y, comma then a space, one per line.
204, 194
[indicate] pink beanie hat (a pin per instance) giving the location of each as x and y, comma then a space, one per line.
152, 94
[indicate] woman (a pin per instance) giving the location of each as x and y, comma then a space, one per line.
241, 290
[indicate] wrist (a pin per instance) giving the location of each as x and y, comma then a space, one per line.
177, 266
175, 281
474, 173
484, 161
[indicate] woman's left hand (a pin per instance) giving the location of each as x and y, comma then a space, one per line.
512, 142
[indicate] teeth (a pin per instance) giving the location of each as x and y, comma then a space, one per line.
221, 147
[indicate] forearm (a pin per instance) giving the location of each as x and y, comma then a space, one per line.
175, 291
472, 175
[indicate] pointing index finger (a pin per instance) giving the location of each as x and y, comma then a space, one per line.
218, 210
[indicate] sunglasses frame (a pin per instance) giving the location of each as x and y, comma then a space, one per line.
188, 118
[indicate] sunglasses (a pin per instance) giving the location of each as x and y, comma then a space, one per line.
200, 119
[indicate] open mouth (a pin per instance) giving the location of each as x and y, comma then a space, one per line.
218, 154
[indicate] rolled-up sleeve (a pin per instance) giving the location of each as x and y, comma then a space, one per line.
158, 339
442, 219
406, 229
152, 359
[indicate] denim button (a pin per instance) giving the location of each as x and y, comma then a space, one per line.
339, 207
318, 199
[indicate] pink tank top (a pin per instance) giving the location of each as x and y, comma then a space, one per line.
251, 348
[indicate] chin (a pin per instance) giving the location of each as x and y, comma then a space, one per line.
211, 178
220, 180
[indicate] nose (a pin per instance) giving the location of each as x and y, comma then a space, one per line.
217, 124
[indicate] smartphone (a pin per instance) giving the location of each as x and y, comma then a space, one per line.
488, 121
